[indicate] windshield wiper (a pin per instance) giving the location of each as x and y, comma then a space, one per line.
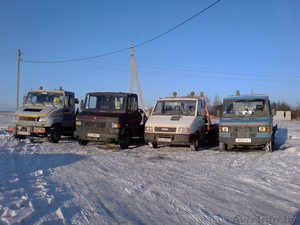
41, 103
30, 102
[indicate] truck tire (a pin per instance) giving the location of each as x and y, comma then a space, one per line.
19, 136
82, 142
195, 143
54, 134
125, 141
269, 146
223, 147
153, 144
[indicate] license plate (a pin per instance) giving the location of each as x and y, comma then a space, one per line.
164, 139
93, 135
23, 133
246, 140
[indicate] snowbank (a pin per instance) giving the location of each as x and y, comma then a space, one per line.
64, 183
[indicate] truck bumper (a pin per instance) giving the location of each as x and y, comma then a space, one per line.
27, 131
244, 141
96, 136
170, 139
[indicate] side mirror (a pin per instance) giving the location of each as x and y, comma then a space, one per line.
273, 112
24, 98
76, 101
81, 104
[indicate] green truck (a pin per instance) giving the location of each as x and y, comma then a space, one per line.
247, 120
45, 113
110, 117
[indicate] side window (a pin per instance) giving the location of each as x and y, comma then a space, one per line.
200, 106
132, 104
91, 102
71, 100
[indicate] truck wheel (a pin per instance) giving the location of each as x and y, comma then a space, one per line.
124, 143
195, 144
82, 142
153, 144
54, 134
269, 146
223, 147
19, 136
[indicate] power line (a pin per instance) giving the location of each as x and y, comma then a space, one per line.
74, 60
178, 68
179, 24
143, 43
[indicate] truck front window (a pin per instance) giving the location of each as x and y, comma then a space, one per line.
105, 103
44, 98
182, 107
253, 107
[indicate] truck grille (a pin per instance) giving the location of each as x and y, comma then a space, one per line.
25, 118
94, 124
243, 129
165, 129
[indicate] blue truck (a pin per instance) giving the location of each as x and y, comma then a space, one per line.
247, 120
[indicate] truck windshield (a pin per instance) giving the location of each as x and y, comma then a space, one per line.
44, 98
105, 103
248, 108
181, 107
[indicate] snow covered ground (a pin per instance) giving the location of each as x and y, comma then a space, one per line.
64, 183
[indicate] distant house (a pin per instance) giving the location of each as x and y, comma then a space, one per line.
283, 115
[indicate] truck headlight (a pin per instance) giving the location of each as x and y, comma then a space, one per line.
42, 119
78, 123
225, 129
115, 125
148, 129
264, 129
182, 130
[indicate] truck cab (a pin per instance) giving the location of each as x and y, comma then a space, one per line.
110, 117
44, 113
178, 121
246, 120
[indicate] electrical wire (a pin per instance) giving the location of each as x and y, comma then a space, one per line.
143, 43
183, 69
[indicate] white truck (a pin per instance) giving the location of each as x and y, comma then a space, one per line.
180, 121
45, 113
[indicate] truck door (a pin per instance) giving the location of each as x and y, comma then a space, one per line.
134, 117
200, 120
69, 110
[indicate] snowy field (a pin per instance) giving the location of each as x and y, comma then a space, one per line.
64, 183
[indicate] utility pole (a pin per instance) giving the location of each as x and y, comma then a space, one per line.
133, 67
19, 59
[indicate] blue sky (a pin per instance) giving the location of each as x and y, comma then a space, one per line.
235, 45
